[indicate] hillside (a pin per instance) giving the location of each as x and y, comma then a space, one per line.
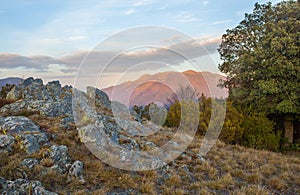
160, 86
10, 80
45, 149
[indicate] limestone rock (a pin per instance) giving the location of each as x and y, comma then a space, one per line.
24, 130
59, 154
48, 100
30, 143
99, 97
18, 124
30, 162
6, 142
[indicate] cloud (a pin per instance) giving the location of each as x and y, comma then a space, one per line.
185, 16
74, 38
40, 63
114, 61
103, 63
129, 11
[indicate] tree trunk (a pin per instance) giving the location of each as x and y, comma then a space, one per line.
288, 129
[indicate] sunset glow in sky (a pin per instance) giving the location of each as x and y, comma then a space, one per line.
49, 39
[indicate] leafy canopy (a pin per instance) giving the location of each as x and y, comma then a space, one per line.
261, 59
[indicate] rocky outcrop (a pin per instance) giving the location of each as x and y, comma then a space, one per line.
98, 97
49, 100
19, 132
100, 124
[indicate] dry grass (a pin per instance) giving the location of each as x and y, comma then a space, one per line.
4, 101
47, 162
252, 189
228, 169
148, 187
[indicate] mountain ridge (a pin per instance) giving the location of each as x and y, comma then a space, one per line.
10, 80
128, 92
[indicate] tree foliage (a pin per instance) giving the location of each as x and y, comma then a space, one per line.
261, 59
233, 130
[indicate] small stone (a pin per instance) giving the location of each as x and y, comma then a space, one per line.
200, 157
30, 162
76, 171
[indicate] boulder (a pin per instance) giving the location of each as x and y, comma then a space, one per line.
54, 89
6, 142
18, 125
60, 157
164, 173
28, 134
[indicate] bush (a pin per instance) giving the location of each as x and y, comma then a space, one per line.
241, 126
233, 130
174, 115
205, 114
259, 132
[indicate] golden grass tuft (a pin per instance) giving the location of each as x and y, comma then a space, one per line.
47, 162
4, 102
147, 187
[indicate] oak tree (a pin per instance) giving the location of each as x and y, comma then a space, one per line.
261, 58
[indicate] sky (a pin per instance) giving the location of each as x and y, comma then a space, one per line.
101, 42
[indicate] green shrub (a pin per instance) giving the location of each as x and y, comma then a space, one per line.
174, 115
232, 132
204, 115
183, 114
259, 132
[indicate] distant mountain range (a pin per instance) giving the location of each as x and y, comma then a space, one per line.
10, 80
160, 86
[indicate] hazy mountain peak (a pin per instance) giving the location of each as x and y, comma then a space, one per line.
158, 87
10, 80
